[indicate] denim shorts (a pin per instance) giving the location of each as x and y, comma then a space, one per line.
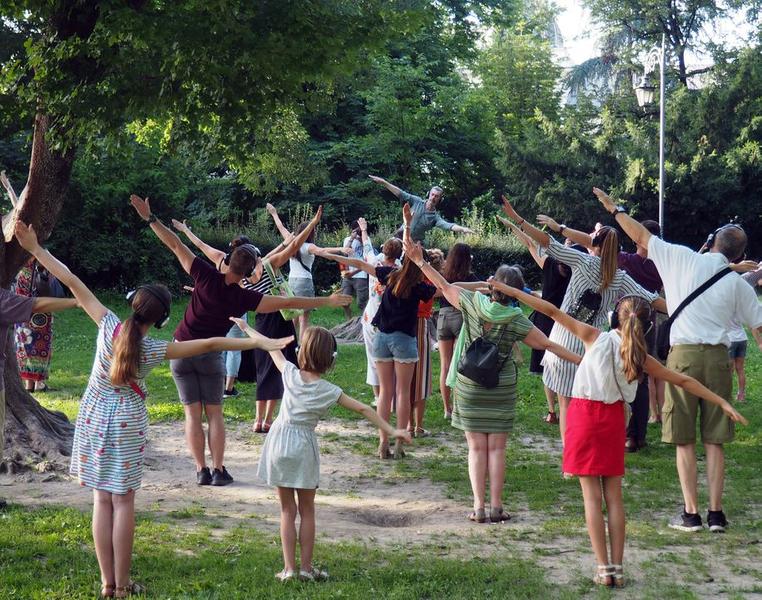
397, 346
737, 350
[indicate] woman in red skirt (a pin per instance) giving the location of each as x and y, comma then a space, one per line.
607, 377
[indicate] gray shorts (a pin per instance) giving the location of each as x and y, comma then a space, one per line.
737, 350
302, 286
199, 378
356, 287
449, 323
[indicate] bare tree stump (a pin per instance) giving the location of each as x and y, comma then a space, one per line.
349, 332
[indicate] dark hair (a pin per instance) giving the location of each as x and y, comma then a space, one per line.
240, 240
243, 259
731, 241
392, 248
317, 350
302, 226
509, 275
652, 227
435, 257
149, 305
458, 264
403, 280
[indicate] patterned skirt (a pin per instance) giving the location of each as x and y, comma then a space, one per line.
482, 410
420, 386
34, 343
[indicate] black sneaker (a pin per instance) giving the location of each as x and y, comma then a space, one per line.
687, 522
232, 393
716, 521
204, 476
221, 477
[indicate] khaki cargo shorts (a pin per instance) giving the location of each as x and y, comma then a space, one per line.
710, 365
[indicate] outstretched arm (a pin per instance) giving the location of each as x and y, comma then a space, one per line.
284, 232
654, 368
270, 304
578, 237
461, 229
537, 235
278, 259
167, 237
371, 415
637, 233
392, 188
583, 331
275, 353
358, 264
221, 344
539, 341
528, 242
27, 237
213, 254
450, 291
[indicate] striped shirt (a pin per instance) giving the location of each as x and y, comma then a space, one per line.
558, 374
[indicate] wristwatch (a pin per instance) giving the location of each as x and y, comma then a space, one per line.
617, 210
561, 229
152, 218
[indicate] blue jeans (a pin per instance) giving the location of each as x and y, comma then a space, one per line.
233, 359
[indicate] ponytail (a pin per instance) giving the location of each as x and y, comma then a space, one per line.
402, 281
126, 347
609, 258
633, 347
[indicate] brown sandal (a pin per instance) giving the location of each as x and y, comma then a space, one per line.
478, 516
383, 452
107, 590
497, 515
258, 427
132, 589
266, 427
604, 575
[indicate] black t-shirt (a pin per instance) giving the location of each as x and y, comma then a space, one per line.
399, 314
443, 303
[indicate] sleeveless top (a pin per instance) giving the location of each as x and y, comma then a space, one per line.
600, 376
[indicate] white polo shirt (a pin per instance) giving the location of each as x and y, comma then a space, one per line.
707, 319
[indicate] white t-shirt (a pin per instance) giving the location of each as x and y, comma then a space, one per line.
295, 268
356, 253
707, 319
595, 377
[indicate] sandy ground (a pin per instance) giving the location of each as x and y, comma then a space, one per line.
362, 499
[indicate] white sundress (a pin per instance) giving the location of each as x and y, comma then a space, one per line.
290, 455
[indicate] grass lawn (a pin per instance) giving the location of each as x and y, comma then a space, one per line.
46, 551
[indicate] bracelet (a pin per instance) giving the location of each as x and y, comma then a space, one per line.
151, 218
561, 229
522, 223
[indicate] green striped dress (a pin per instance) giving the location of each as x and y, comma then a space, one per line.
476, 408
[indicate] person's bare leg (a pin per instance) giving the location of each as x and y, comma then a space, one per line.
550, 398
563, 405
715, 473
686, 469
270, 410
740, 367
477, 466
306, 528
260, 406
653, 404
496, 467
385, 370
103, 519
229, 383
288, 527
612, 492
123, 536
404, 376
445, 356
216, 421
194, 434
596, 528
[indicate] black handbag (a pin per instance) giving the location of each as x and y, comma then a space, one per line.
481, 362
587, 306
662, 335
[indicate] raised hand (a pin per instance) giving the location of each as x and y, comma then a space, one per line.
375, 179
142, 207
183, 227
549, 222
413, 251
26, 236
509, 210
407, 214
745, 266
604, 199
263, 342
318, 214
362, 223
271, 209
337, 299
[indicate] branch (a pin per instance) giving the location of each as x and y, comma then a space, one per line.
699, 71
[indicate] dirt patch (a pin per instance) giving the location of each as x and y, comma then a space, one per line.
367, 500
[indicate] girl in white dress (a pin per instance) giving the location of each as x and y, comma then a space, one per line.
290, 458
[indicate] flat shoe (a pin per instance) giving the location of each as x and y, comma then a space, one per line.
313, 574
265, 427
497, 515
258, 427
420, 432
285, 575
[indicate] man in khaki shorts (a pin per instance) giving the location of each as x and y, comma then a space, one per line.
700, 339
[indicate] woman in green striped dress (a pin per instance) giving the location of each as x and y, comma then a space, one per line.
486, 414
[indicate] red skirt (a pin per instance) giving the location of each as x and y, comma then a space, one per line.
594, 439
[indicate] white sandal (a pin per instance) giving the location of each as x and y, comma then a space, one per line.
285, 575
313, 574
618, 576
604, 575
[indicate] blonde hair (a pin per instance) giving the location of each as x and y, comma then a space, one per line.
634, 314
149, 304
608, 240
317, 351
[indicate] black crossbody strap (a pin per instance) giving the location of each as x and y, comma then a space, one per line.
697, 292
298, 257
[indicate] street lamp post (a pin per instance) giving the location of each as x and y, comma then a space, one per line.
645, 94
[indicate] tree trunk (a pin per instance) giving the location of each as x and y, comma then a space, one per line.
34, 433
